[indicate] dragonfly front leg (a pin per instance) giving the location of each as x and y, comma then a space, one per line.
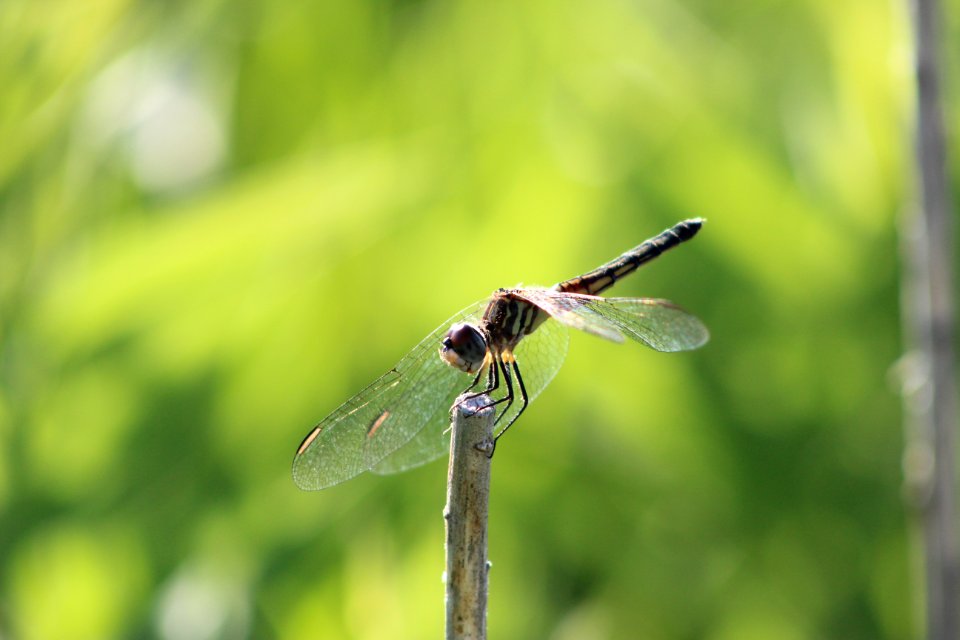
476, 379
493, 383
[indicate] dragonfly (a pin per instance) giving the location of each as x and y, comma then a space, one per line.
516, 340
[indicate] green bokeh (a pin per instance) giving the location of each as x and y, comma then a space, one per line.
220, 219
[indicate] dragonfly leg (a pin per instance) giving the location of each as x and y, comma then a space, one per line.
493, 383
498, 363
477, 379
523, 399
509, 397
493, 378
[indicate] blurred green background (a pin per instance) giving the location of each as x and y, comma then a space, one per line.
218, 220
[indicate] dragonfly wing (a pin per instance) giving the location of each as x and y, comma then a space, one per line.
430, 443
571, 309
659, 324
383, 417
539, 357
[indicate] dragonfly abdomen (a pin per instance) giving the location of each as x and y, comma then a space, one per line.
604, 277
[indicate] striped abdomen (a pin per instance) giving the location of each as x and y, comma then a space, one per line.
604, 277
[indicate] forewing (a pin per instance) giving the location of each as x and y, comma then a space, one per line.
659, 324
383, 417
570, 309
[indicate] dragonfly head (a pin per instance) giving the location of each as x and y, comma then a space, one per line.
464, 347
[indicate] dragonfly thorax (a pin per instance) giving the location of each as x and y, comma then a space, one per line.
464, 347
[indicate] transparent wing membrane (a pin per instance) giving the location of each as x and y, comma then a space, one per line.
383, 417
659, 324
401, 420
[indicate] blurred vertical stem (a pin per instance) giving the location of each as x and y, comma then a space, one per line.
930, 405
468, 494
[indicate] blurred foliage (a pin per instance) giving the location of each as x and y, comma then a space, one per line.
220, 219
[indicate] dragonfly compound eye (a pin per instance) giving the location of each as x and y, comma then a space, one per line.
464, 347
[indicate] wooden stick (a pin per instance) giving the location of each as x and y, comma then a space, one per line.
468, 494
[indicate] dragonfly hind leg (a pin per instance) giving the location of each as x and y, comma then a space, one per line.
510, 396
524, 400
